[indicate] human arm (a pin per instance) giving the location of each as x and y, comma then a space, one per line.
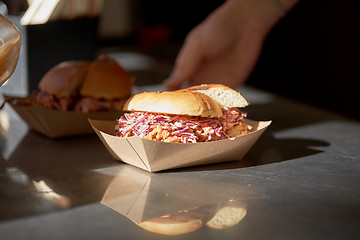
225, 47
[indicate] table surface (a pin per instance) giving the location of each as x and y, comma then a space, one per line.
299, 181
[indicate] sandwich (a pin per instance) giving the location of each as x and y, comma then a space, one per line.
58, 88
85, 86
198, 114
107, 86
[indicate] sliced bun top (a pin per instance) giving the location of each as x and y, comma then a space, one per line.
190, 103
225, 96
65, 78
106, 79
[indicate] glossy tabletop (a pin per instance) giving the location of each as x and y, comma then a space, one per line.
299, 181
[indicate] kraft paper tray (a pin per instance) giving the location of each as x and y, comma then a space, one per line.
155, 156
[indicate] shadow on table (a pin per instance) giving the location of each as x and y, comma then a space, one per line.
285, 115
266, 151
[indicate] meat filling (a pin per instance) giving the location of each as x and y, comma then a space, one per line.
77, 104
179, 128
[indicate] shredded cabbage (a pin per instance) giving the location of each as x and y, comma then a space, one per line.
178, 128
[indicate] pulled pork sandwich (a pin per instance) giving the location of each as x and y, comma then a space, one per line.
59, 87
85, 86
107, 86
199, 114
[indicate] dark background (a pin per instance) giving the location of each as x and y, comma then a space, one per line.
312, 55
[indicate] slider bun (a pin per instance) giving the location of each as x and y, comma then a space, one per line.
227, 216
225, 96
65, 78
175, 102
106, 79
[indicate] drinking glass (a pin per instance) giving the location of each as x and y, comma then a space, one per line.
9, 48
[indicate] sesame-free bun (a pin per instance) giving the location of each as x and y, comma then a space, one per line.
225, 96
106, 79
175, 102
65, 78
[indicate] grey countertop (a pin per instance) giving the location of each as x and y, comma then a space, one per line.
299, 181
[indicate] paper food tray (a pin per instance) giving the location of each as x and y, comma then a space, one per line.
56, 124
155, 156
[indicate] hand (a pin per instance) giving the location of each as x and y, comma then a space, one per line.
225, 47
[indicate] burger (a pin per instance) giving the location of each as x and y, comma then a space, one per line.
198, 114
59, 87
85, 86
107, 86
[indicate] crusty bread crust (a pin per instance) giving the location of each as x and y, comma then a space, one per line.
106, 79
65, 78
225, 96
175, 102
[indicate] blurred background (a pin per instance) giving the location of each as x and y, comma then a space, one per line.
312, 55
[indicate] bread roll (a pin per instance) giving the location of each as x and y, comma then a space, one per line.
225, 96
64, 79
175, 102
106, 79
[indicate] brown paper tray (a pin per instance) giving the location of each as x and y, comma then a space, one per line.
155, 156
57, 124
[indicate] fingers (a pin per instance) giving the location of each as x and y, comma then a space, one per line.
188, 60
233, 67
